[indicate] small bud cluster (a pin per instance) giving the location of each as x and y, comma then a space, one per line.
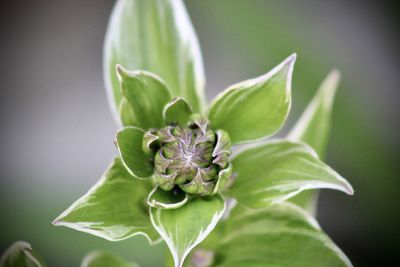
193, 157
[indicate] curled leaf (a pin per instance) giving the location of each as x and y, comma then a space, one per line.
162, 199
129, 141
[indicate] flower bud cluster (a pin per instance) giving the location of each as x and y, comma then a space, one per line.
193, 157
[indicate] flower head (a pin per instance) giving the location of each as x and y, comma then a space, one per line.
192, 157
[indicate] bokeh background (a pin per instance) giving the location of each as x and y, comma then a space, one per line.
57, 131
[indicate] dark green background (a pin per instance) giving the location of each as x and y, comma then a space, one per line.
56, 129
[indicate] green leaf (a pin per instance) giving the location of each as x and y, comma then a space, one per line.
21, 254
255, 108
105, 259
313, 128
172, 199
184, 228
278, 170
113, 209
314, 124
157, 36
129, 141
177, 111
224, 178
126, 113
147, 95
280, 235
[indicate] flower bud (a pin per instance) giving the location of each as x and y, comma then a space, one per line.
192, 157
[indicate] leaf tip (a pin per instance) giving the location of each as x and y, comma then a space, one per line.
346, 187
291, 59
59, 221
285, 67
121, 71
56, 222
288, 65
349, 189
290, 62
335, 74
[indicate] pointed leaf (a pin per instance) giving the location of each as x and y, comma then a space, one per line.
314, 124
172, 199
113, 209
147, 95
184, 228
21, 254
177, 111
255, 108
313, 128
105, 259
156, 36
280, 235
278, 170
129, 141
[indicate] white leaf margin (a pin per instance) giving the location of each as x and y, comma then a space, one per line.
179, 260
82, 227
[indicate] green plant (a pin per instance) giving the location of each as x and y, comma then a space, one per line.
176, 177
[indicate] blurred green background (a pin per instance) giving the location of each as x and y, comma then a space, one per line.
57, 131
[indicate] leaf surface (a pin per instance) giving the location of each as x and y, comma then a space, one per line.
157, 36
255, 108
113, 209
147, 95
184, 228
129, 141
177, 111
277, 236
278, 170
313, 128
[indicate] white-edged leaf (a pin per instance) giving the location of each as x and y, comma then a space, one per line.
279, 235
147, 95
313, 128
129, 141
314, 124
278, 170
256, 108
157, 36
113, 209
184, 228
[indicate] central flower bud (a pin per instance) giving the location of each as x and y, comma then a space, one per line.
192, 157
